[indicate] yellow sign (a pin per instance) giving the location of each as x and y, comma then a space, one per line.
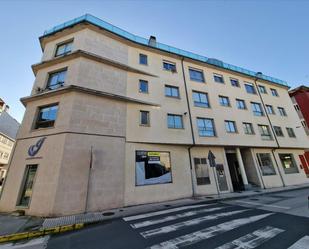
153, 153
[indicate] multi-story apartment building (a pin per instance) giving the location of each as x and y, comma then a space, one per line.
8, 130
300, 99
114, 120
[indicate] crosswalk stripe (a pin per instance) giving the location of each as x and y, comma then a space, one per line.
175, 217
252, 240
209, 232
171, 210
184, 224
303, 243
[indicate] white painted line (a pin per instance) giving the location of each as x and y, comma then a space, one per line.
303, 243
207, 233
263, 205
184, 224
171, 210
175, 217
253, 240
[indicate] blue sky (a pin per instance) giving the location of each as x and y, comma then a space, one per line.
267, 36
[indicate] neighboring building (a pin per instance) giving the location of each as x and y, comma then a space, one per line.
8, 130
3, 106
116, 120
300, 99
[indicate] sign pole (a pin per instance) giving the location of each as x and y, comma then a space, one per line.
213, 169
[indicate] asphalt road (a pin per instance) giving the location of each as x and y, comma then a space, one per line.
274, 221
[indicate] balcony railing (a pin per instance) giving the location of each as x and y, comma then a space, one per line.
105, 25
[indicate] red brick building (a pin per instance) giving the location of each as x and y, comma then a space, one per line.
300, 99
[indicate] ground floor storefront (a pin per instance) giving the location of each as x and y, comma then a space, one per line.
67, 174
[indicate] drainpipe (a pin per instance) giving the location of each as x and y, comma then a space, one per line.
191, 125
271, 127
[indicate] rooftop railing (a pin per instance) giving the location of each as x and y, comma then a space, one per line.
107, 26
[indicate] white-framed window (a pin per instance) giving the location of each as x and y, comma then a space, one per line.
230, 126
290, 132
169, 66
265, 132
143, 86
200, 99
218, 78
64, 48
241, 104
248, 128
274, 92
196, 75
257, 109
201, 171
278, 131
250, 88
174, 121
266, 164
262, 89
144, 118
56, 79
152, 167
224, 101
143, 59
282, 111
172, 91
206, 127
234, 82
270, 109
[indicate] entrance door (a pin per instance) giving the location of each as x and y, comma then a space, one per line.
236, 178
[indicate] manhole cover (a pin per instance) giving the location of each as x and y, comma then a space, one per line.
108, 213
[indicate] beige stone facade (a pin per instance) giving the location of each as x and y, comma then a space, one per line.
89, 160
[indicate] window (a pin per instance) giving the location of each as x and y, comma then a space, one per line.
282, 111
144, 118
230, 126
250, 88
143, 59
296, 106
274, 92
240, 103
200, 99
218, 78
47, 116
174, 121
248, 128
224, 101
278, 131
196, 75
262, 89
152, 167
27, 185
56, 80
257, 109
201, 171
172, 91
266, 164
64, 48
169, 66
206, 127
288, 163
290, 132
6, 155
265, 132
270, 109
234, 82
143, 86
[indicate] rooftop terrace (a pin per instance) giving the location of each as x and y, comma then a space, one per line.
143, 41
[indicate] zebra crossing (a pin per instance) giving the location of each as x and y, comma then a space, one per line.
194, 225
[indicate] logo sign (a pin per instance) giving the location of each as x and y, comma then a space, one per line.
34, 149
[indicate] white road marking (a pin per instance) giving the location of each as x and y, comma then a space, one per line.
38, 243
207, 233
303, 243
263, 205
171, 210
184, 224
252, 240
175, 217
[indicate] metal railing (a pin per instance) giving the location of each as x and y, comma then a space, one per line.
107, 26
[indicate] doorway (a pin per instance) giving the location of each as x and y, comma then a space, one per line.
236, 177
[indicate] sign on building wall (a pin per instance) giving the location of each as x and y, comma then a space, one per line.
34, 149
152, 168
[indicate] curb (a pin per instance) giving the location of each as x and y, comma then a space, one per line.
40, 232
78, 226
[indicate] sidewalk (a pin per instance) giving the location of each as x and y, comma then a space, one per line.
10, 224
